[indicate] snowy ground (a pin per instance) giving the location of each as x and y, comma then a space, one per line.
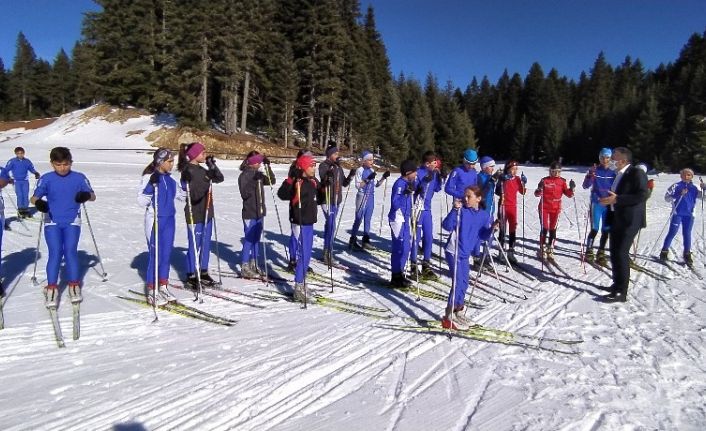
641, 365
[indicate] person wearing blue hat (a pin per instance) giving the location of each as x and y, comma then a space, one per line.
599, 179
487, 180
365, 199
463, 176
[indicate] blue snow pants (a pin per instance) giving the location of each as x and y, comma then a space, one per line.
62, 242
251, 239
166, 227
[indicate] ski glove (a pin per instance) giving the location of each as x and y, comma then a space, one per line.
211, 162
11, 181
507, 177
42, 206
185, 176
351, 174
36, 175
428, 177
523, 178
259, 176
385, 175
371, 176
266, 161
572, 185
82, 197
409, 189
498, 174
154, 178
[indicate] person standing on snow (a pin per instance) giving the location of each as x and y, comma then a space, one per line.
196, 181
399, 216
4, 180
293, 244
157, 177
509, 186
59, 195
682, 195
463, 176
487, 180
473, 225
365, 200
331, 174
427, 183
599, 179
549, 191
254, 176
303, 192
18, 167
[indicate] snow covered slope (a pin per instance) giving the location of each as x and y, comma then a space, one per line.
640, 366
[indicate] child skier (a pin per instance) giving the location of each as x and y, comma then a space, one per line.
469, 225
399, 218
463, 176
549, 192
4, 180
508, 188
599, 179
293, 235
251, 182
365, 200
303, 192
196, 181
18, 168
332, 176
427, 182
63, 191
157, 177
683, 196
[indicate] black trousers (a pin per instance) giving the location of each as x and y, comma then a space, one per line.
620, 243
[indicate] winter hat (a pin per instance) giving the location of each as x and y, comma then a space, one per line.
470, 156
555, 166
255, 159
510, 164
194, 150
642, 167
331, 150
161, 155
407, 167
605, 152
366, 155
304, 162
486, 162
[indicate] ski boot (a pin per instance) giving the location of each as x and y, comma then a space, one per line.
550, 253
688, 259
191, 281
2, 290
353, 244
207, 280
511, 256
75, 293
163, 292
460, 316
291, 266
427, 272
366, 243
664, 255
51, 296
540, 253
413, 270
590, 257
247, 271
301, 293
399, 281
256, 269
151, 296
601, 258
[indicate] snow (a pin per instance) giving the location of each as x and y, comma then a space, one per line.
640, 366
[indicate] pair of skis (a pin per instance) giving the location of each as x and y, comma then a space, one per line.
76, 318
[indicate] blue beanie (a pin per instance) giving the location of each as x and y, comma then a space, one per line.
470, 156
487, 161
605, 152
366, 155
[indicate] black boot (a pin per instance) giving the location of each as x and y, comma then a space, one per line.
397, 281
191, 282
292, 266
206, 280
366, 242
353, 244
427, 272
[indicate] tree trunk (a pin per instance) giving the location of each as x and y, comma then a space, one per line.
310, 124
204, 80
231, 114
328, 128
246, 93
290, 120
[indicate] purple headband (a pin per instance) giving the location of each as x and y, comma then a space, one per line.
255, 159
195, 150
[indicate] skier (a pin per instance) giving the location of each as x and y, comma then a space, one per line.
303, 192
365, 200
463, 176
293, 236
427, 182
4, 180
401, 203
549, 190
18, 168
332, 176
159, 173
508, 188
683, 196
599, 179
469, 225
196, 181
59, 195
254, 176
487, 180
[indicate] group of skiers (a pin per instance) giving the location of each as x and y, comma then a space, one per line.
470, 222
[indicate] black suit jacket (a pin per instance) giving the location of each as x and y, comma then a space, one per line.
630, 206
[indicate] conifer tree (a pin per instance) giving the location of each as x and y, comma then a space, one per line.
83, 71
4, 97
61, 84
22, 85
648, 132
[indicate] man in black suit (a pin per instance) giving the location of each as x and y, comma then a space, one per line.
626, 202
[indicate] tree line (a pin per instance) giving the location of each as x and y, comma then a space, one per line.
317, 71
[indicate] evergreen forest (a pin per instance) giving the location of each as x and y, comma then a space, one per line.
307, 72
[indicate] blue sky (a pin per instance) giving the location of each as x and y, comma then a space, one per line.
453, 39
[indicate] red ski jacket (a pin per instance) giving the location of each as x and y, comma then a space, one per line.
550, 195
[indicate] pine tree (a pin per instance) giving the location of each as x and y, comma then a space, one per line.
22, 85
83, 71
647, 132
62, 84
4, 96
419, 124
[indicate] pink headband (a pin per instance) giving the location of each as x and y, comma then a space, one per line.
195, 150
255, 159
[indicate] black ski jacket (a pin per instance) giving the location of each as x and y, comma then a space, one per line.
336, 184
311, 194
251, 183
199, 191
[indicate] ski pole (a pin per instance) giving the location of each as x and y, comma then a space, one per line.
453, 280
95, 244
340, 216
585, 236
578, 229
279, 221
36, 252
264, 255
155, 232
382, 210
22, 222
192, 228
218, 244
300, 249
524, 187
328, 218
